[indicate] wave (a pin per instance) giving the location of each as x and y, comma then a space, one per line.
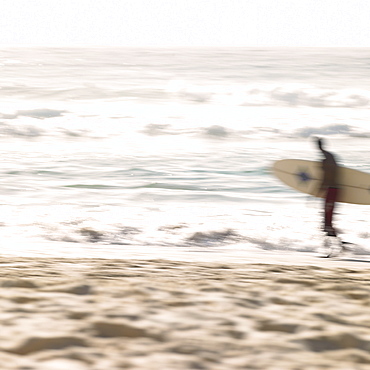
126, 235
28, 131
318, 98
235, 76
20, 131
200, 238
287, 95
217, 131
93, 186
332, 130
25, 130
34, 113
339, 129
257, 94
220, 132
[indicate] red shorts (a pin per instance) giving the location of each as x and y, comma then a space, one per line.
330, 199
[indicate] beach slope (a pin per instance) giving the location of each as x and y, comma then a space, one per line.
157, 314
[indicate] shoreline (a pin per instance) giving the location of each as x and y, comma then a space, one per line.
237, 254
149, 314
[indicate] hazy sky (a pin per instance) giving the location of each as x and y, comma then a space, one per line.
185, 22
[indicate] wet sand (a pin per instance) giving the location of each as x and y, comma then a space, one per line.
158, 314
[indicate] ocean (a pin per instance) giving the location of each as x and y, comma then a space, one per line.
167, 153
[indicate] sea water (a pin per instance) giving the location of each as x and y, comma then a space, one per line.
116, 152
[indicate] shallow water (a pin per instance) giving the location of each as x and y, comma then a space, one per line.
105, 150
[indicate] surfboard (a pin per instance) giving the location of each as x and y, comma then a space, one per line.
306, 176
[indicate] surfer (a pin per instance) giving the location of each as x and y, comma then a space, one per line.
329, 186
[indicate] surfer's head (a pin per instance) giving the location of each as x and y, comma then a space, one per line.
320, 143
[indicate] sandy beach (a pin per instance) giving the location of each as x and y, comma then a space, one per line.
159, 314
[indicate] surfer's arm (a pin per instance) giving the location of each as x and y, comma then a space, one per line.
329, 177
323, 185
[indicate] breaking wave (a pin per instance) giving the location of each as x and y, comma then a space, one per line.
286, 95
34, 113
220, 132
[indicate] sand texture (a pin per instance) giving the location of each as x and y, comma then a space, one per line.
104, 314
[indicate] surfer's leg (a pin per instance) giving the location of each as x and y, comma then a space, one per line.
330, 199
334, 246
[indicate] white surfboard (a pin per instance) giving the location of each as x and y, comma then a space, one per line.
306, 176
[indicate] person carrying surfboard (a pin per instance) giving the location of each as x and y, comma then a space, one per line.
329, 186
